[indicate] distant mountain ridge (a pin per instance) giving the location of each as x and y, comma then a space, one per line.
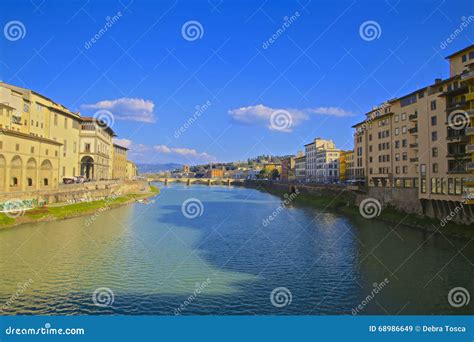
152, 168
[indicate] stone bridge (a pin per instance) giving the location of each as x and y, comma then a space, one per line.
205, 181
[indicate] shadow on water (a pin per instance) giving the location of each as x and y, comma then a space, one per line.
154, 259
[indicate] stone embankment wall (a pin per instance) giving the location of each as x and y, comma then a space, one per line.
339, 192
75, 193
404, 200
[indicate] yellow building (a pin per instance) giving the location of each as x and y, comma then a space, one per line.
345, 165
424, 140
119, 162
42, 142
272, 166
132, 170
96, 152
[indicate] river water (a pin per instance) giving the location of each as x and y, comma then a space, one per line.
159, 259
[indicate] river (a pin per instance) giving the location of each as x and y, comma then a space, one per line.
223, 257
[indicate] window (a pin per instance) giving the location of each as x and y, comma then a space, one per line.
17, 147
65, 122
405, 169
434, 136
404, 143
433, 185
423, 186
32, 149
404, 156
433, 105
397, 118
464, 58
423, 170
55, 119
397, 169
433, 121
404, 116
45, 181
397, 144
404, 129
397, 131
397, 157
434, 152
471, 55
450, 186
457, 186
435, 167
14, 181
421, 95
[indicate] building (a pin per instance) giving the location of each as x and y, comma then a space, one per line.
288, 169
345, 167
39, 140
185, 168
422, 141
214, 173
272, 166
119, 162
322, 161
95, 153
300, 168
42, 142
132, 170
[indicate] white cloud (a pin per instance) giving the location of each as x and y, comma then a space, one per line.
332, 111
130, 109
290, 117
142, 153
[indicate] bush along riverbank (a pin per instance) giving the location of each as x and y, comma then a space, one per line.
387, 214
62, 211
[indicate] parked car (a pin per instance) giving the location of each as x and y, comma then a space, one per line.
68, 180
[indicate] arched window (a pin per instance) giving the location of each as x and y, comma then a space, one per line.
30, 182
14, 181
45, 181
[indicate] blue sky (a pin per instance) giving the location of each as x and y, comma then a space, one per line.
317, 77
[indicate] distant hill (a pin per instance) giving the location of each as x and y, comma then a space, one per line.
153, 168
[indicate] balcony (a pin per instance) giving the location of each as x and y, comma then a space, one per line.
413, 117
457, 137
470, 166
470, 148
414, 160
457, 91
413, 130
467, 75
414, 145
456, 105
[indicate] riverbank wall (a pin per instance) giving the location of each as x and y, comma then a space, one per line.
77, 193
397, 205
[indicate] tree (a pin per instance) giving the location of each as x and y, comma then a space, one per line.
264, 174
275, 174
